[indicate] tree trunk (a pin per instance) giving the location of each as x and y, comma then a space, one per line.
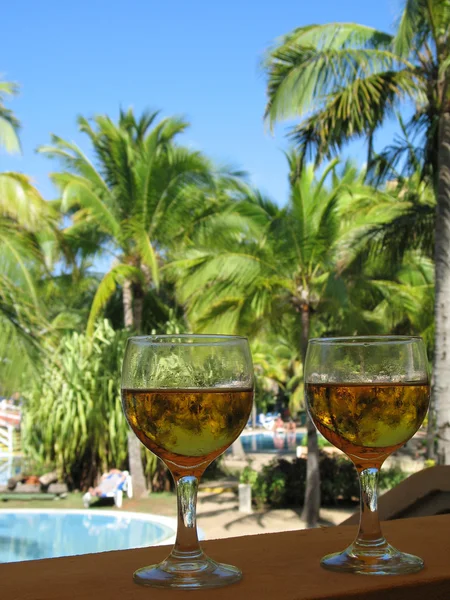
441, 371
431, 429
138, 296
127, 299
134, 445
311, 506
136, 468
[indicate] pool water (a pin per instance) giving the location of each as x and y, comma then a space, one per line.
271, 442
32, 534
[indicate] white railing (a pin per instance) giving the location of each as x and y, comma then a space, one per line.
6, 439
12, 416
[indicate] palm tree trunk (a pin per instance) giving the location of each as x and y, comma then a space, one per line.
441, 371
431, 429
136, 468
134, 445
127, 299
138, 296
311, 506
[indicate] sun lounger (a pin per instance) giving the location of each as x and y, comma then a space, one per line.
112, 485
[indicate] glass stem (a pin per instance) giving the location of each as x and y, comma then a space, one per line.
369, 534
186, 543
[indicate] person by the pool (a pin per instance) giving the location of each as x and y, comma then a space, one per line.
278, 425
108, 482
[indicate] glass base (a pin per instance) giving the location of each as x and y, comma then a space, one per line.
383, 559
188, 573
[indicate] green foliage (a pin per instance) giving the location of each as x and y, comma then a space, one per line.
142, 197
283, 259
389, 478
344, 79
248, 475
73, 414
27, 234
321, 441
9, 124
282, 483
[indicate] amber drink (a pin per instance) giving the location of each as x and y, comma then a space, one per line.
368, 422
368, 396
187, 428
187, 398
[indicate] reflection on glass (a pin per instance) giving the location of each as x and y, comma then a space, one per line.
368, 396
187, 398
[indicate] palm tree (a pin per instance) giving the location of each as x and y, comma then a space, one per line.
27, 232
135, 204
280, 269
344, 80
9, 124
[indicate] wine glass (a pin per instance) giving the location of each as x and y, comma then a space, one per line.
187, 398
368, 396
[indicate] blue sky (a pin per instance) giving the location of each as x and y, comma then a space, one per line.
197, 58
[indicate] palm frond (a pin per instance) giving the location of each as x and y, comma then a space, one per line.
74, 160
339, 35
313, 62
415, 24
351, 112
20, 251
9, 124
21, 202
145, 248
116, 276
77, 192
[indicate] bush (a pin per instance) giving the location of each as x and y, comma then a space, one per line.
321, 442
72, 411
248, 475
389, 478
283, 482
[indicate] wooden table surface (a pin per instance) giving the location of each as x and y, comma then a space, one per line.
282, 566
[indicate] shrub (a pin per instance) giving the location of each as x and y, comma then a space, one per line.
282, 482
72, 412
248, 475
321, 442
389, 478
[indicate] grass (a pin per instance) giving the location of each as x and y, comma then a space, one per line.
163, 503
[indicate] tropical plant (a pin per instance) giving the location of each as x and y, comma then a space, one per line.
27, 234
277, 272
344, 80
135, 205
73, 415
278, 374
9, 124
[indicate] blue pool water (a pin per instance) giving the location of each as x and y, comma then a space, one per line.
31, 534
271, 442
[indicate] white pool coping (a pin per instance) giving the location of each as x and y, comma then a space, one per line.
267, 433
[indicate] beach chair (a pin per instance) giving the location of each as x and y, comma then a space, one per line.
112, 485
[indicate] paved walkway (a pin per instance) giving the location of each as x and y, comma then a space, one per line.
218, 517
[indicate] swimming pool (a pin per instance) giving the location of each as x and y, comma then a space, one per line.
268, 441
32, 534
